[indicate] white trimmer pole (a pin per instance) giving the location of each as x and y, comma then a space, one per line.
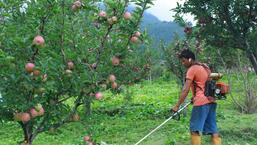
182, 108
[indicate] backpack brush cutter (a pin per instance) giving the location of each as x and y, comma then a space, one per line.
215, 89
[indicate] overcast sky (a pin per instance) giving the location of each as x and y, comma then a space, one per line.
162, 9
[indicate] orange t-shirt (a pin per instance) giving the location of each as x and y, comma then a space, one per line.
199, 75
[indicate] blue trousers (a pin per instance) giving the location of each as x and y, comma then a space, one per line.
203, 119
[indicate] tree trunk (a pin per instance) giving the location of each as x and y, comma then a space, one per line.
27, 132
253, 61
251, 56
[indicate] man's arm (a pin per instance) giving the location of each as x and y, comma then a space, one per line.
183, 94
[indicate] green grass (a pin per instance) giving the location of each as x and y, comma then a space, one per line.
116, 121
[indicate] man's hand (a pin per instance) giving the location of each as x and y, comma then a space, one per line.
175, 108
173, 112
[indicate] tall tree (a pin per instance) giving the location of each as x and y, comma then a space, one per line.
225, 24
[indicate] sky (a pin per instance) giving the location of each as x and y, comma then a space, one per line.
162, 9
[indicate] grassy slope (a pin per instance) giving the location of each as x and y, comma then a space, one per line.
116, 122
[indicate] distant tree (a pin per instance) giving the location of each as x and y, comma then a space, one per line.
224, 24
170, 57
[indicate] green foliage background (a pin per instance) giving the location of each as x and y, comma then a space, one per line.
116, 122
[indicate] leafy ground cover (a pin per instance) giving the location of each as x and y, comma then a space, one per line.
115, 120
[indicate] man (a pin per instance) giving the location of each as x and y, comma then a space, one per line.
203, 118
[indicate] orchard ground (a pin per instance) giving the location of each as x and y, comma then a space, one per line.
120, 121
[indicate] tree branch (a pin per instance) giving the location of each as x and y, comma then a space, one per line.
41, 127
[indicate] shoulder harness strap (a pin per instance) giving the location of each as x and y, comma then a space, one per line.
194, 82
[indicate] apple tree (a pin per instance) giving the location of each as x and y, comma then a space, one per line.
224, 24
59, 55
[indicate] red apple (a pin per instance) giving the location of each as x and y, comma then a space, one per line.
33, 113
90, 143
133, 39
25, 117
38, 40
70, 65
98, 95
114, 85
137, 34
127, 15
36, 72
112, 78
115, 61
86, 138
25, 144
29, 67
102, 14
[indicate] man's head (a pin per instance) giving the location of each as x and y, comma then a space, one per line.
187, 57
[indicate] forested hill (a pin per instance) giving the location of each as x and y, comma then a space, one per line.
160, 30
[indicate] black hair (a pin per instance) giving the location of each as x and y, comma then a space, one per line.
186, 53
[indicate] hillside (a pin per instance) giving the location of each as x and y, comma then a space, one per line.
160, 30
